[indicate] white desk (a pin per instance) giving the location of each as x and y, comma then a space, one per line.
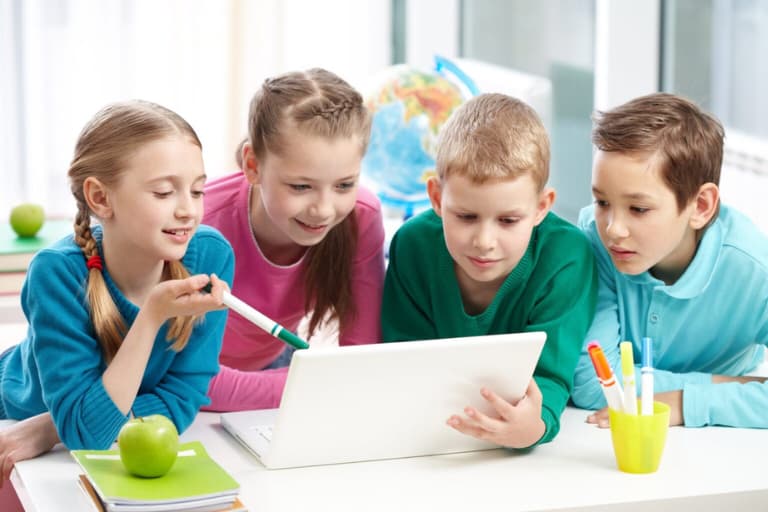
702, 469
709, 469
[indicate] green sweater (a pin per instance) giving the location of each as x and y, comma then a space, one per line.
552, 289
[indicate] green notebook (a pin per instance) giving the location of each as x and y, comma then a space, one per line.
16, 252
194, 479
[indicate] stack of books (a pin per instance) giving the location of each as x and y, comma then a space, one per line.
194, 483
16, 252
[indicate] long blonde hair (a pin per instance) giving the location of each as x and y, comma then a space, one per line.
315, 102
103, 148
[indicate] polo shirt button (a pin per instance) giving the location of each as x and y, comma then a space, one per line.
654, 318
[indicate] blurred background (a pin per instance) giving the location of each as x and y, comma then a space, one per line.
62, 60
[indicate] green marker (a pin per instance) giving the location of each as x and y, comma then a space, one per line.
258, 318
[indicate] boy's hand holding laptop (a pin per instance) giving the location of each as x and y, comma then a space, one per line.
517, 424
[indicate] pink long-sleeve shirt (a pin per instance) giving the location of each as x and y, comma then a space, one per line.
278, 292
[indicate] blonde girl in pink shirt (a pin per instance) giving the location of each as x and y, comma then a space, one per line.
308, 240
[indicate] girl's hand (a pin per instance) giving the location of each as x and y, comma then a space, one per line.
517, 425
178, 297
184, 297
217, 288
25, 440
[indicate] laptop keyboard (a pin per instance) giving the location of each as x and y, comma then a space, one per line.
264, 431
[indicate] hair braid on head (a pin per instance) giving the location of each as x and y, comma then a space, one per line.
180, 327
334, 110
268, 84
320, 104
107, 321
83, 236
103, 151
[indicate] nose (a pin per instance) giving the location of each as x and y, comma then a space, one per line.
322, 207
484, 239
616, 227
186, 206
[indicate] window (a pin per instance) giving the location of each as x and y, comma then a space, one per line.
68, 58
552, 39
714, 53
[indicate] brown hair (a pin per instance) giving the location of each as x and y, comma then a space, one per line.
315, 102
687, 141
103, 149
494, 137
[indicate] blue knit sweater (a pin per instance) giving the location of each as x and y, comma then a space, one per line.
59, 366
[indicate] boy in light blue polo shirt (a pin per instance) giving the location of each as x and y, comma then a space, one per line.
675, 265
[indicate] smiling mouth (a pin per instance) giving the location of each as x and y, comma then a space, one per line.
482, 262
178, 232
313, 227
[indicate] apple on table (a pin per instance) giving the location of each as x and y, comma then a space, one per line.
27, 219
148, 445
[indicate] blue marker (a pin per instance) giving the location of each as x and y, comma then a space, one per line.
646, 379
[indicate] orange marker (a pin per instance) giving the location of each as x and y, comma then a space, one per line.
611, 387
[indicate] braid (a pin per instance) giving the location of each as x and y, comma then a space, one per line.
319, 103
331, 111
83, 235
180, 327
107, 321
316, 102
103, 151
270, 85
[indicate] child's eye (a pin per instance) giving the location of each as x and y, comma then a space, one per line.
601, 203
509, 220
299, 188
198, 193
466, 217
639, 209
162, 195
347, 185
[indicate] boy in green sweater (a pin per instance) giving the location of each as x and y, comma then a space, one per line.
490, 258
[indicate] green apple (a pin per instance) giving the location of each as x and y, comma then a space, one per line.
148, 445
27, 219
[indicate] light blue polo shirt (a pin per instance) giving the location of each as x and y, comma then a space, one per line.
713, 320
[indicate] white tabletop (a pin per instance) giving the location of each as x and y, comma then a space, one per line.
701, 469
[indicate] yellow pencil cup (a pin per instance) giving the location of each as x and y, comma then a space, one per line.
638, 441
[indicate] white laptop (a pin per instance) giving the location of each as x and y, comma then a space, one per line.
385, 400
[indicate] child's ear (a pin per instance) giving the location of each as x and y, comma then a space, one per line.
250, 165
705, 205
435, 193
546, 199
97, 196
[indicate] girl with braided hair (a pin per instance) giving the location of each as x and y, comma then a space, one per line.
117, 324
309, 240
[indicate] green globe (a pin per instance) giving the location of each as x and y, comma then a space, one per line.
27, 219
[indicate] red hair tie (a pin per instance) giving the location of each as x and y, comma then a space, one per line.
94, 262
